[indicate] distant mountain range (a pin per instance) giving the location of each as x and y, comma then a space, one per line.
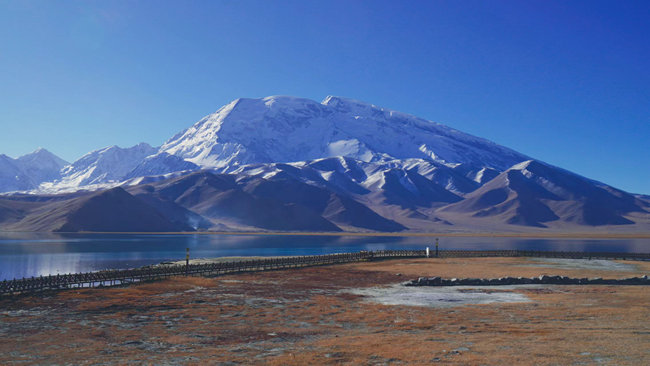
293, 164
29, 171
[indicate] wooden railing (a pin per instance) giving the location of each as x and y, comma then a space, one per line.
126, 276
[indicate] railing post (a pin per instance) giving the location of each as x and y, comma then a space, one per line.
436, 248
187, 261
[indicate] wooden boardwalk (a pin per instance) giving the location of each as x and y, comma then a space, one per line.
122, 277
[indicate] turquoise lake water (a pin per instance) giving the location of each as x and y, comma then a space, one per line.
35, 254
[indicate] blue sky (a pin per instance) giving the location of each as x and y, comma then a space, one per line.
567, 82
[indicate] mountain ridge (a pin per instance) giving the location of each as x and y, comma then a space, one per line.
30, 170
366, 168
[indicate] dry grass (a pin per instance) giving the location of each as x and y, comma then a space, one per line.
303, 317
493, 267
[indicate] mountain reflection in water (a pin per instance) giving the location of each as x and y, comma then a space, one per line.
36, 254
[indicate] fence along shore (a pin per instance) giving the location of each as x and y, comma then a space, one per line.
107, 278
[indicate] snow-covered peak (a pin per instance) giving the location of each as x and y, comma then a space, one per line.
105, 165
348, 105
42, 157
537, 168
286, 129
560, 182
38, 151
28, 171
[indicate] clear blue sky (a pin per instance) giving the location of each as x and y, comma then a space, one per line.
567, 82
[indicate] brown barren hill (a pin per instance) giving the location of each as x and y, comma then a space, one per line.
117, 210
113, 210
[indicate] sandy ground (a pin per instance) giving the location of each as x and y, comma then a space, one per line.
344, 314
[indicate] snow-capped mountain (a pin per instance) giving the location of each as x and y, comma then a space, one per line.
285, 163
533, 193
159, 164
110, 164
11, 176
288, 129
30, 170
42, 165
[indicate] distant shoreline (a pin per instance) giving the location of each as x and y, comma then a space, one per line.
369, 234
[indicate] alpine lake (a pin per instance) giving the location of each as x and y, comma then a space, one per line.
41, 254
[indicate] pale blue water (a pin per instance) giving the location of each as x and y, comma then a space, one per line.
35, 254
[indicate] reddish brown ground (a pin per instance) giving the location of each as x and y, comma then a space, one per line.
302, 317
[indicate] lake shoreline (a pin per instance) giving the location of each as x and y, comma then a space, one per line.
35, 254
532, 235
